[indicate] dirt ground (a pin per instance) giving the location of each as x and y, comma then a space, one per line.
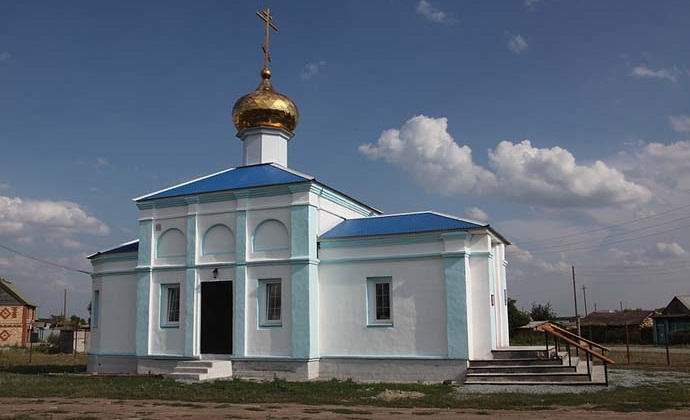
62, 408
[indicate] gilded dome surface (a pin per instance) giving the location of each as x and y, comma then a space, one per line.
265, 107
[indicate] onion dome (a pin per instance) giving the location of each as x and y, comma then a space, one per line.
265, 107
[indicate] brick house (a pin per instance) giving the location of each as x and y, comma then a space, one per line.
16, 316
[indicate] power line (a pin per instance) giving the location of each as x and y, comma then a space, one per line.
42, 261
639, 219
613, 235
607, 243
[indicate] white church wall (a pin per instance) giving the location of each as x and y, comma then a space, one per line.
481, 332
274, 340
216, 238
418, 308
165, 340
115, 332
332, 250
273, 241
170, 244
330, 214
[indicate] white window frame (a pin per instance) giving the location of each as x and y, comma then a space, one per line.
262, 291
165, 308
95, 308
372, 321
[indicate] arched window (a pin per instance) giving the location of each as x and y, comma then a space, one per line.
271, 235
218, 240
171, 244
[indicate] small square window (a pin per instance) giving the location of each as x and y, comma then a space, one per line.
270, 302
379, 301
170, 310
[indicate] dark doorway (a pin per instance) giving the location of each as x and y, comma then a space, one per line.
216, 317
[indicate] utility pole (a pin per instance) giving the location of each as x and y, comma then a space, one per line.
577, 316
621, 302
595, 307
64, 308
584, 294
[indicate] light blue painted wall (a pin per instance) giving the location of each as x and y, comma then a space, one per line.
145, 238
240, 285
143, 303
454, 270
190, 287
305, 298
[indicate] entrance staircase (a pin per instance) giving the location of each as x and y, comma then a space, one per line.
201, 370
567, 360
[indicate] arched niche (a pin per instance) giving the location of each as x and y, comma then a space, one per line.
171, 244
271, 235
219, 241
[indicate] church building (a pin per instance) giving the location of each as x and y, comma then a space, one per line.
262, 271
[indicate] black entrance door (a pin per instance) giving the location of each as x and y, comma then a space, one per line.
216, 317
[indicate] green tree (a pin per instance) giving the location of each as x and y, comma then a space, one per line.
543, 312
516, 317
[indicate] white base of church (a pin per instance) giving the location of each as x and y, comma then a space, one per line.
360, 369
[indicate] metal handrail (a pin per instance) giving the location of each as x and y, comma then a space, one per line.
580, 338
548, 329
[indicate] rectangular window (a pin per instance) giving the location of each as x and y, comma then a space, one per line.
383, 301
379, 301
270, 302
170, 311
95, 308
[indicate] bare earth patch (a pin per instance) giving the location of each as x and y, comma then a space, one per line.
394, 395
63, 408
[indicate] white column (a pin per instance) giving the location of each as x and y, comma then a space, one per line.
264, 145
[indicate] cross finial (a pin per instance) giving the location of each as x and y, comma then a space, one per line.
265, 15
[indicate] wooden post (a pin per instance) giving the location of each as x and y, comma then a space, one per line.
627, 342
668, 353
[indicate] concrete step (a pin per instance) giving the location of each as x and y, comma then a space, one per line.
185, 377
516, 362
504, 383
522, 369
526, 377
196, 363
522, 354
184, 369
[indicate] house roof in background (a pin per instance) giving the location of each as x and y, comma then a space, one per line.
12, 295
392, 224
127, 247
617, 318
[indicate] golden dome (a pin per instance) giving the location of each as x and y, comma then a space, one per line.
265, 107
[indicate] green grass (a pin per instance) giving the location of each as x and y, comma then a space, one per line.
342, 393
53, 376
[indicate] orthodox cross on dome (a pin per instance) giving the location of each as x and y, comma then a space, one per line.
265, 15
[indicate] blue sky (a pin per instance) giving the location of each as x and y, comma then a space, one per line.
104, 101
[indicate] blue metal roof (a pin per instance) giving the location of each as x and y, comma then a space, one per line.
132, 246
397, 224
233, 179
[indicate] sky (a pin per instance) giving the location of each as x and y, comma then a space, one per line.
565, 125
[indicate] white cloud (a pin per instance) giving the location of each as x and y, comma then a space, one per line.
101, 163
312, 69
672, 249
424, 147
4, 186
432, 13
50, 218
680, 123
531, 4
643, 71
517, 43
552, 177
5, 56
475, 213
540, 177
658, 163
